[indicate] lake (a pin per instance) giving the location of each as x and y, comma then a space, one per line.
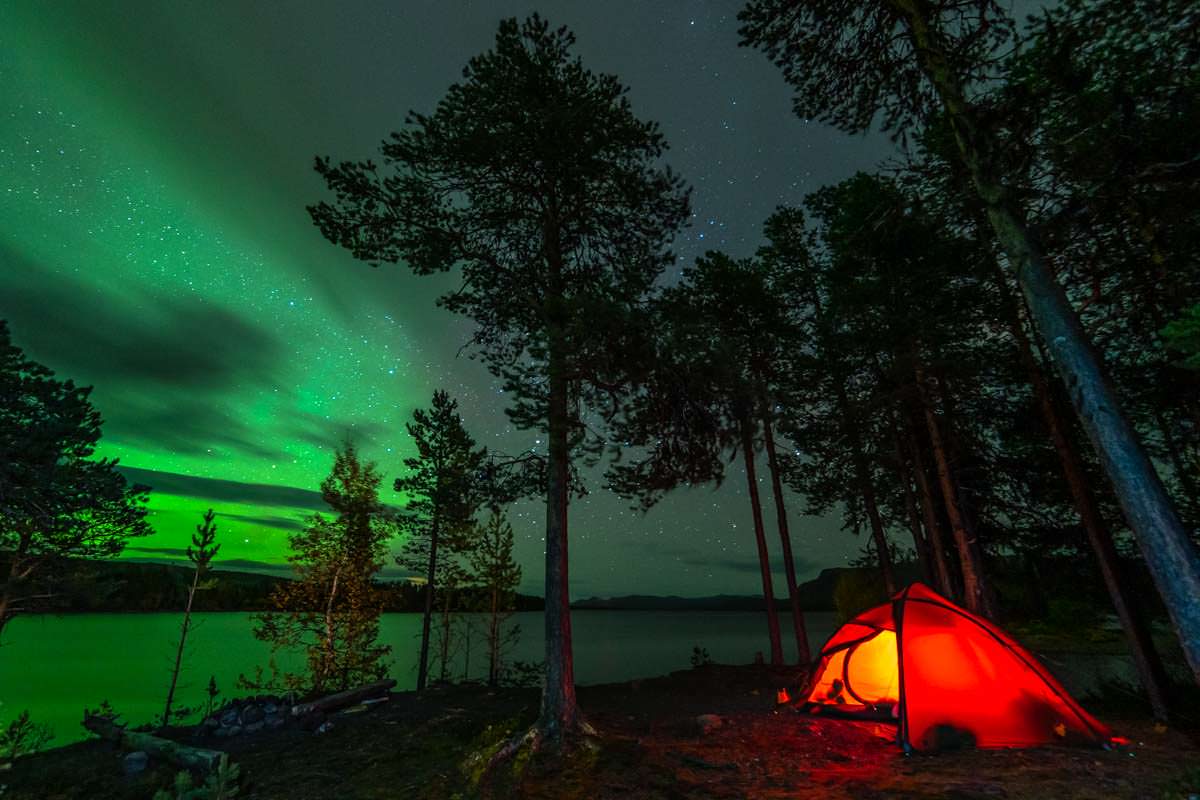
57, 665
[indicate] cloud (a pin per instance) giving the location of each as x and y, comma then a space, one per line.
185, 425
164, 367
250, 565
127, 336
282, 523
162, 551
329, 434
261, 494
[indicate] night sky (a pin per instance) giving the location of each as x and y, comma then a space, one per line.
156, 162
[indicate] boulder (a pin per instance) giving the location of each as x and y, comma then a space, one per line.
707, 723
135, 763
252, 714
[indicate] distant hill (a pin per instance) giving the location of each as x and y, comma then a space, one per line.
122, 585
815, 595
80, 585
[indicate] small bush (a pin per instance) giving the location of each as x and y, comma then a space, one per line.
700, 657
221, 784
522, 674
23, 736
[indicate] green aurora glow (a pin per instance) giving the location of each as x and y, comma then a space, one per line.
156, 163
101, 226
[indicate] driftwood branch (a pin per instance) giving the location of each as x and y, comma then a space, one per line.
181, 755
342, 699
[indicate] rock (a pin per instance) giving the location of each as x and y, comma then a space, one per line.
310, 722
254, 727
270, 708
707, 723
229, 718
273, 720
232, 730
135, 763
324, 728
251, 715
212, 722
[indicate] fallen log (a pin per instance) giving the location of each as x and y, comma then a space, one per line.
181, 755
342, 699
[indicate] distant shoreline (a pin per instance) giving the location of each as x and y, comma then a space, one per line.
129, 586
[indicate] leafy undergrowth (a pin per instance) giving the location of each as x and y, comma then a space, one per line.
650, 746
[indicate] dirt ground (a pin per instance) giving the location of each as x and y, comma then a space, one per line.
650, 745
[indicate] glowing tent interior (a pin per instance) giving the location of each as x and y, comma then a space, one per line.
948, 677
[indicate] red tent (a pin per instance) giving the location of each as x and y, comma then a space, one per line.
947, 676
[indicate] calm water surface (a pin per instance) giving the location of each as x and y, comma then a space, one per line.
57, 665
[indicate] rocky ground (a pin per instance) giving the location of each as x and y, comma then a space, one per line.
712, 732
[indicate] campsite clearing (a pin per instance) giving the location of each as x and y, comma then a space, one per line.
652, 746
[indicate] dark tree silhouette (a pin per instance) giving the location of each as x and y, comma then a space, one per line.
496, 572
890, 300
200, 552
331, 611
442, 496
534, 179
909, 60
55, 501
722, 331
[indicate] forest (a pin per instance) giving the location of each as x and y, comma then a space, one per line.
983, 357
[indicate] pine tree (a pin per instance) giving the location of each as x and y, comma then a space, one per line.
711, 392
910, 61
331, 610
200, 552
56, 501
495, 570
535, 180
442, 491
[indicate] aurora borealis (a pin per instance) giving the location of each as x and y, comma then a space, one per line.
156, 163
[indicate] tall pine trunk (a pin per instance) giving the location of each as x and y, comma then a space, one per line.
937, 539
878, 533
560, 709
1171, 555
183, 632
799, 629
444, 656
976, 593
920, 541
866, 489
760, 538
494, 639
431, 571
1141, 645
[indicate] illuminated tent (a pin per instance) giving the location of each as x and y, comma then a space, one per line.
948, 677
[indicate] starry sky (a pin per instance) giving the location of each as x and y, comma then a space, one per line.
156, 163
